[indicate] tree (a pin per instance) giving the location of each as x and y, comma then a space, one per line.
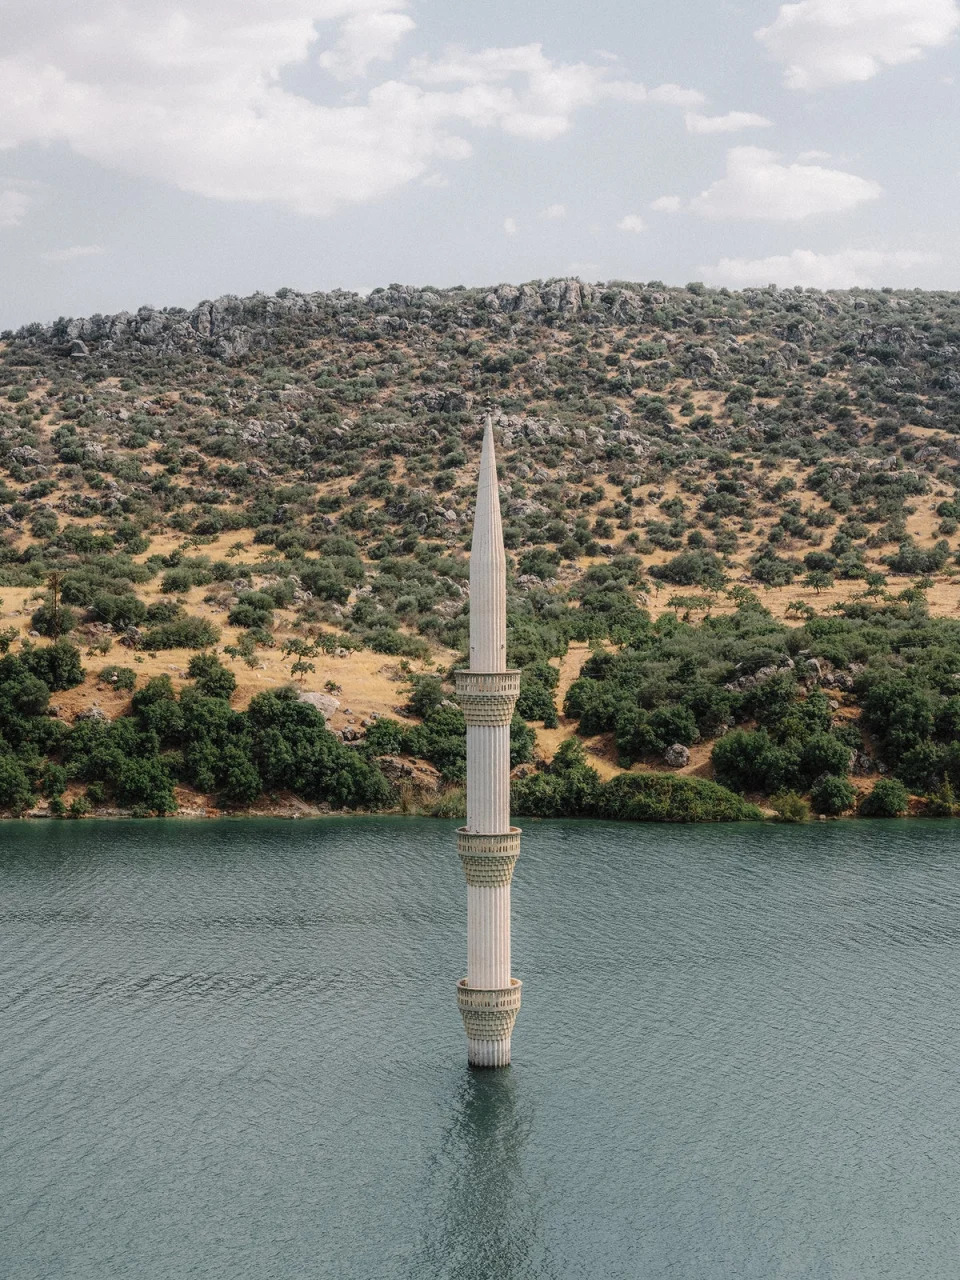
212, 678
819, 579
53, 620
57, 665
888, 799
15, 791
832, 795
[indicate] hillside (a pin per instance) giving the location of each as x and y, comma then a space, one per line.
744, 505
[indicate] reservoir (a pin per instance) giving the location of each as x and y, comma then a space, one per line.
232, 1049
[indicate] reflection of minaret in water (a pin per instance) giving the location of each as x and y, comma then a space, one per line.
483, 1213
488, 996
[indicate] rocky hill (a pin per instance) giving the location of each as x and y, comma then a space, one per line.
286, 481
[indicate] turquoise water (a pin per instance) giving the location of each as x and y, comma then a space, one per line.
232, 1050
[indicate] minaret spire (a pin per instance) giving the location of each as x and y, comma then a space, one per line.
488, 996
488, 569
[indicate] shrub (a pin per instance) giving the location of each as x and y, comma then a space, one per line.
115, 677
832, 795
213, 679
789, 807
184, 633
746, 761
426, 694
57, 665
53, 622
15, 790
119, 611
665, 797
692, 568
888, 799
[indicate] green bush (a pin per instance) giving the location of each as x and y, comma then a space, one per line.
666, 797
124, 678
888, 799
832, 795
789, 807
15, 790
53, 622
213, 679
57, 665
184, 633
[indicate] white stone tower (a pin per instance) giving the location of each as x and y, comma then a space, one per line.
488, 996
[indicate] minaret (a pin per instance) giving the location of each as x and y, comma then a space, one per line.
488, 996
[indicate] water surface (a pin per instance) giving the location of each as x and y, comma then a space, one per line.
232, 1050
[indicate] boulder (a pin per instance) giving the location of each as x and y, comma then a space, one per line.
677, 756
325, 703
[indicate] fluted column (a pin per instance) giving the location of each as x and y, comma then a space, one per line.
488, 996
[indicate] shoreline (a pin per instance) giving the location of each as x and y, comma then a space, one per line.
310, 812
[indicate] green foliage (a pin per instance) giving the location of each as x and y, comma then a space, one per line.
426, 695
15, 790
116, 677
53, 622
888, 799
212, 678
691, 568
119, 610
569, 787
537, 684
832, 795
57, 665
184, 633
789, 807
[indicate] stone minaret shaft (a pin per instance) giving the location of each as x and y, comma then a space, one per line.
488, 845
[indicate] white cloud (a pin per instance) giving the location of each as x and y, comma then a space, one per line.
674, 95
825, 42
72, 252
368, 36
758, 185
848, 269
510, 226
730, 123
554, 212
632, 222
14, 203
667, 204
192, 94
519, 89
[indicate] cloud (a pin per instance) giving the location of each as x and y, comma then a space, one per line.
667, 204
554, 212
757, 185
632, 222
729, 123
369, 36
827, 42
193, 94
674, 95
510, 226
14, 203
519, 89
72, 252
847, 269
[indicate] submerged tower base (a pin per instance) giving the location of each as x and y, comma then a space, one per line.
488, 1018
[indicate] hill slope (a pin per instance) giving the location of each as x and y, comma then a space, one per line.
267, 473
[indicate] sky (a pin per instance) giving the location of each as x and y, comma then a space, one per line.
159, 153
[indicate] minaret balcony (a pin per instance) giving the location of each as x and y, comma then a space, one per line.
487, 697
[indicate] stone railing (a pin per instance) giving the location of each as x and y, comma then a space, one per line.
487, 698
488, 1015
488, 860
